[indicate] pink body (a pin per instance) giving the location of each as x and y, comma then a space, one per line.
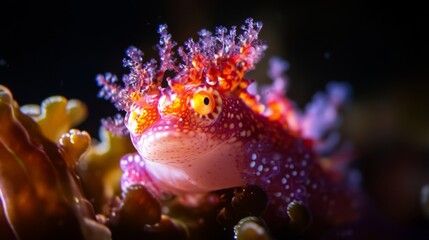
207, 131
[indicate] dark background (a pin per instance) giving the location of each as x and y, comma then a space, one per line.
380, 49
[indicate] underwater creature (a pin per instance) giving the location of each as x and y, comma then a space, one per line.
199, 125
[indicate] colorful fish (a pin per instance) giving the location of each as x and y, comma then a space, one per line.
199, 125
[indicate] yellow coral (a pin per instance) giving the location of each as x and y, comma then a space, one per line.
99, 168
56, 115
74, 144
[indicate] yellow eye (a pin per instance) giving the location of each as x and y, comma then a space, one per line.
206, 103
203, 102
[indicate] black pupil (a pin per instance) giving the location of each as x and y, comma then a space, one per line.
206, 101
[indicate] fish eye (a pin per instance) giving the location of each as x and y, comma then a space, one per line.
203, 102
206, 102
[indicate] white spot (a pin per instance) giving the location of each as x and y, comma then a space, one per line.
284, 180
252, 164
240, 124
294, 173
260, 168
254, 156
231, 126
243, 133
278, 194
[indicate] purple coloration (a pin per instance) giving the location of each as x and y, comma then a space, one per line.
115, 125
208, 130
135, 172
321, 119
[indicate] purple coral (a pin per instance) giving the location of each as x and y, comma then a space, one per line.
321, 119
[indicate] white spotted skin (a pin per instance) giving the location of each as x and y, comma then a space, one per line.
184, 153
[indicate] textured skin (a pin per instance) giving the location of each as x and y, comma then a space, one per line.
244, 138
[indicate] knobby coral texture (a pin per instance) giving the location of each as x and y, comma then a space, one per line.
206, 153
41, 196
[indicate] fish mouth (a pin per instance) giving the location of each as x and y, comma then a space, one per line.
195, 161
173, 147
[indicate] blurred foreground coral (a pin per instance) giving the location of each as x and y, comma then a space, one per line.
41, 195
